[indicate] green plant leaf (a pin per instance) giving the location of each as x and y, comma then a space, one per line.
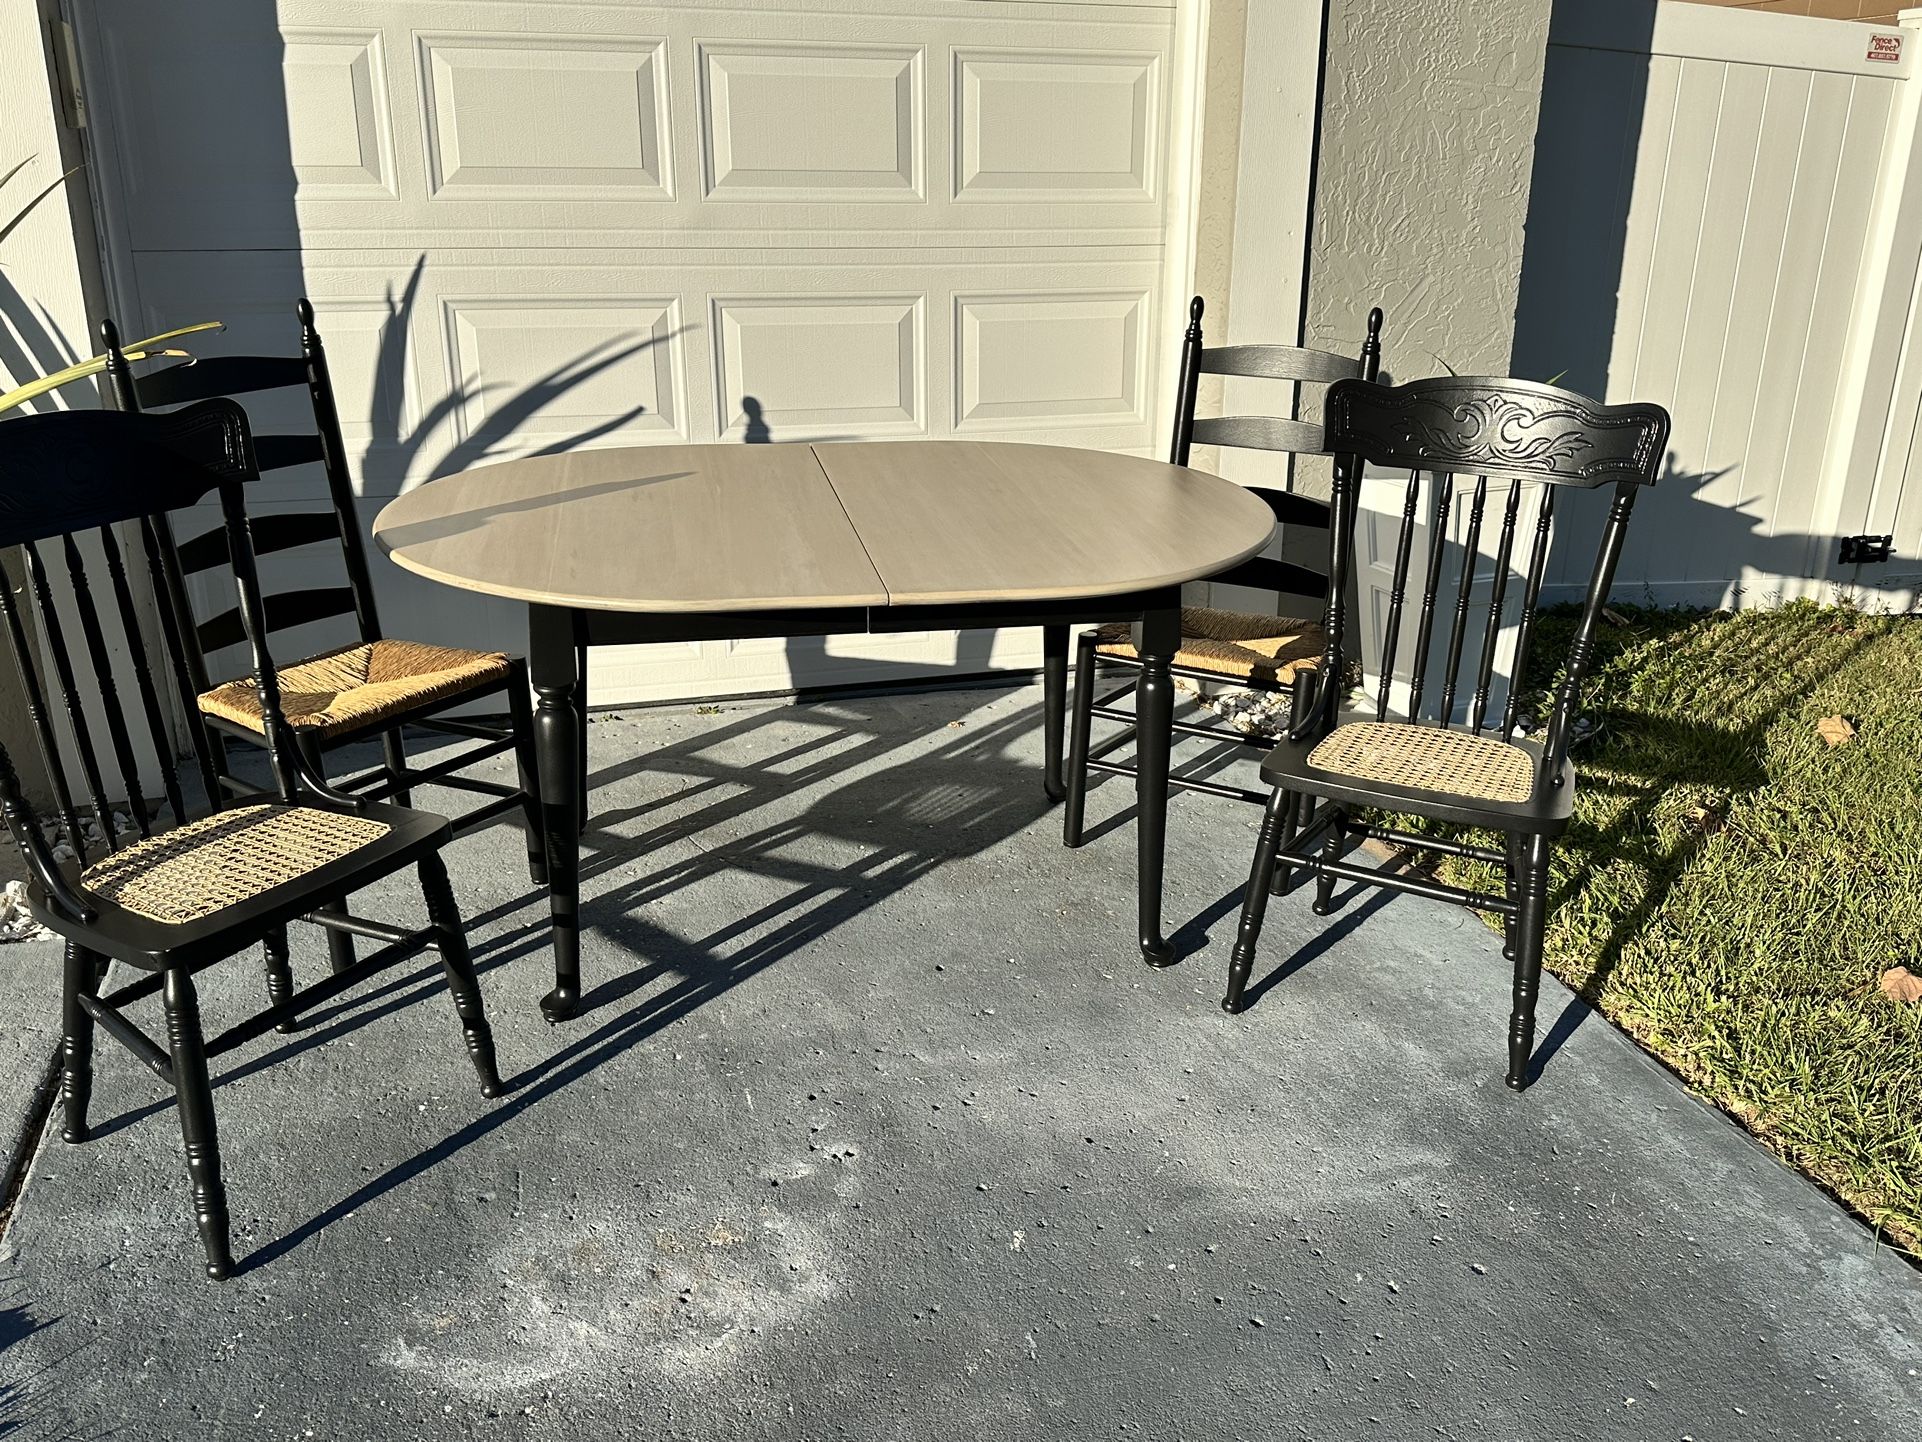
17, 169
26, 210
20, 395
154, 340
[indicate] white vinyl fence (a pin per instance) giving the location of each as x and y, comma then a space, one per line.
1726, 218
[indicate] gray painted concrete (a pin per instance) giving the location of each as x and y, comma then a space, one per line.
29, 1035
877, 1129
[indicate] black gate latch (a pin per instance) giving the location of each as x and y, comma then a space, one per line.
1862, 550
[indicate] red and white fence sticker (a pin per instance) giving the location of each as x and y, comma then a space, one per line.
1886, 47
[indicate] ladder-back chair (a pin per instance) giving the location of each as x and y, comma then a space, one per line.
171, 901
373, 686
1260, 652
1463, 764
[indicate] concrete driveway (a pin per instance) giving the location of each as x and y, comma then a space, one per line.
874, 1127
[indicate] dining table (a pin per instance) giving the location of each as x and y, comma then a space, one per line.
681, 543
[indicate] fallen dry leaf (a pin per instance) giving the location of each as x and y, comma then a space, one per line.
1710, 816
1836, 730
1901, 984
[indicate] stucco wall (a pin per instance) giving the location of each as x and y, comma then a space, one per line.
1428, 135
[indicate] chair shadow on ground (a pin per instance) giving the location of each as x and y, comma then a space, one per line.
964, 795
31, 1404
1636, 765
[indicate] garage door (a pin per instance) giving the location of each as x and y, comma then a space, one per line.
536, 225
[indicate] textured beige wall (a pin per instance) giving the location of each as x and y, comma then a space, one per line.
1428, 138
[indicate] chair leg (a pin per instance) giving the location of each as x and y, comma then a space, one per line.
1330, 851
1075, 786
280, 976
580, 718
451, 936
395, 755
340, 946
1254, 905
1514, 871
1301, 698
1054, 699
1300, 810
82, 978
194, 1098
521, 716
1530, 893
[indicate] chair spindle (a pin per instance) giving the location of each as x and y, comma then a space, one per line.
142, 673
1497, 601
70, 699
36, 701
1458, 630
1531, 596
1398, 589
1424, 626
118, 737
179, 660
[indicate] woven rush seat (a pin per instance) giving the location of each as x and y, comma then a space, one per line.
226, 859
1263, 650
1429, 759
358, 685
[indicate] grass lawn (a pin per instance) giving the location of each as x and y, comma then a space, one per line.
1733, 887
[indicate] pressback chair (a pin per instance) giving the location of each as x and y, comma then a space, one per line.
375, 685
1462, 764
1260, 652
172, 901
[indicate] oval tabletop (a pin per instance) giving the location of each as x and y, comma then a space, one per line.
715, 528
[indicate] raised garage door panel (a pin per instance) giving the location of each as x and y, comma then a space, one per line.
529, 226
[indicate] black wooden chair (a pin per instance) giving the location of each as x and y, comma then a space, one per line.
1261, 652
176, 901
1332, 778
376, 685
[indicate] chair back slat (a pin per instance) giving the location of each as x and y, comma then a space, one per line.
1431, 583
1526, 435
53, 635
35, 697
142, 673
279, 453
1491, 635
277, 531
339, 524
1531, 597
1398, 589
282, 612
1267, 573
204, 378
1287, 435
119, 739
1292, 508
1259, 433
1278, 363
81, 474
1458, 628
